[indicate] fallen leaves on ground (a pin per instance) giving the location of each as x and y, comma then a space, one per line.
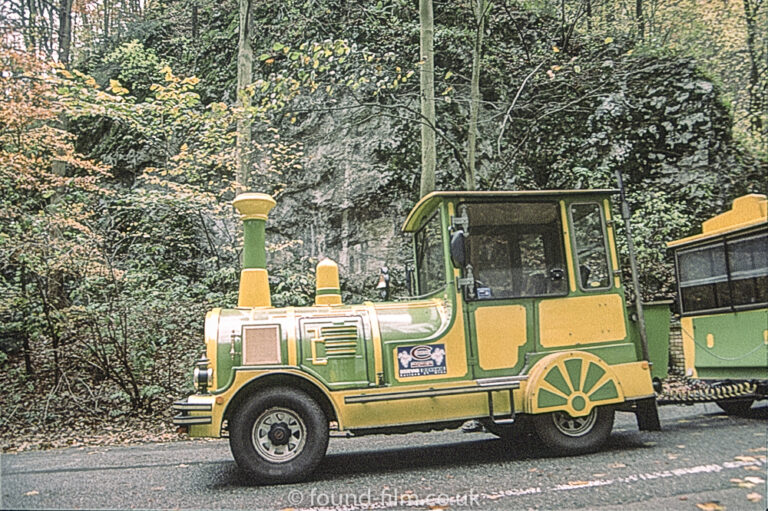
710, 506
122, 431
754, 497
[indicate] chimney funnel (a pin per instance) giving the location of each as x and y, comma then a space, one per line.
327, 289
254, 278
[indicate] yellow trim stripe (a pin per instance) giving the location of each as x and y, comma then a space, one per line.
293, 358
612, 244
210, 334
568, 249
689, 347
376, 334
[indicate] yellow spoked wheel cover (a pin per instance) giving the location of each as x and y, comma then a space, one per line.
573, 382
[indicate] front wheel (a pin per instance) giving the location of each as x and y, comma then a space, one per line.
279, 435
574, 435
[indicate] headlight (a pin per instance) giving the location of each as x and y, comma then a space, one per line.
202, 376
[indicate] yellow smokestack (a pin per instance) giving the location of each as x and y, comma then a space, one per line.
327, 289
254, 278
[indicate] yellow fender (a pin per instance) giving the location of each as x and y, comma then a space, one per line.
573, 382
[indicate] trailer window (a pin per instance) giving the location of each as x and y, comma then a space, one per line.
591, 249
514, 249
726, 274
748, 262
704, 278
430, 265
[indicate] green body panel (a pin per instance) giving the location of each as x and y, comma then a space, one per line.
739, 351
605, 392
343, 348
547, 399
254, 251
657, 324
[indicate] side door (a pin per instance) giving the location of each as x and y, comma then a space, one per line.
516, 253
593, 316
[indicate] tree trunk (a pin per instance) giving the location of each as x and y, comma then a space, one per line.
480, 8
106, 22
756, 99
428, 125
244, 78
640, 20
65, 30
31, 32
28, 369
195, 28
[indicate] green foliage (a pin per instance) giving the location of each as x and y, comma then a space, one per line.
134, 66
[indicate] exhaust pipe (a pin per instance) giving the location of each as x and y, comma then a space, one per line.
254, 278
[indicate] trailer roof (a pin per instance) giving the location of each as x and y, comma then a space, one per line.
747, 211
429, 202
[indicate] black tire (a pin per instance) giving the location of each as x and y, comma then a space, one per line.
293, 433
736, 406
568, 436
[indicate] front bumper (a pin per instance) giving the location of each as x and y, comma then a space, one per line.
192, 412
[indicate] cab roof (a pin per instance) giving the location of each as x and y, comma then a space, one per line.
429, 203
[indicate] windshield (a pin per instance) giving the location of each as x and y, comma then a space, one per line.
430, 265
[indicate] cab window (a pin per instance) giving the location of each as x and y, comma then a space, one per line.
590, 246
430, 264
516, 250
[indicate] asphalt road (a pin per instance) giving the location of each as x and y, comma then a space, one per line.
701, 457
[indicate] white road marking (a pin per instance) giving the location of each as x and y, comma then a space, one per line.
392, 498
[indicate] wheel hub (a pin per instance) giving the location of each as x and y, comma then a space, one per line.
279, 435
574, 426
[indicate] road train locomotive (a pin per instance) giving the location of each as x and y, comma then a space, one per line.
519, 319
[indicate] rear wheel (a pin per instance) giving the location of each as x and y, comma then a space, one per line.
574, 435
736, 406
279, 435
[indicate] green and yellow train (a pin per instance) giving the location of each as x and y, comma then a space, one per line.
520, 317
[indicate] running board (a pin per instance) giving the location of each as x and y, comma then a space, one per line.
414, 394
489, 389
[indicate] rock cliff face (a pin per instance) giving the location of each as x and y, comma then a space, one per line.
659, 120
346, 203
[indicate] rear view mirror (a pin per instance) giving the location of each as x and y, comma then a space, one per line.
458, 251
409, 277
